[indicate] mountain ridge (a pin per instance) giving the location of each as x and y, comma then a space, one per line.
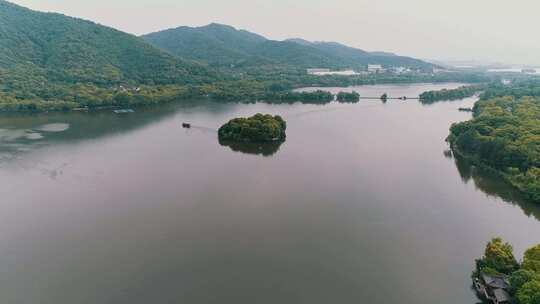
195, 42
71, 50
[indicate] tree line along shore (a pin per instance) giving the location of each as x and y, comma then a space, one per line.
504, 135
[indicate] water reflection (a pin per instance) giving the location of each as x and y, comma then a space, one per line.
263, 149
493, 186
21, 133
318, 223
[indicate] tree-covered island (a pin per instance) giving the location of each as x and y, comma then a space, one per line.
449, 95
348, 97
259, 128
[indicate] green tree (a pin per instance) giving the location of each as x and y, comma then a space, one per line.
531, 259
521, 277
499, 256
258, 128
529, 293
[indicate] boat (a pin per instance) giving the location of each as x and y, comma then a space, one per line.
124, 111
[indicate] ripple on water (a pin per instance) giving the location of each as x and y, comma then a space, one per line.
53, 127
11, 134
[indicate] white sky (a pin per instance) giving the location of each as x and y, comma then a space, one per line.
486, 30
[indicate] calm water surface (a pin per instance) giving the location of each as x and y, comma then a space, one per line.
361, 204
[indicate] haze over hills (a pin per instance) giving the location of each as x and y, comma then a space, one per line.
42, 48
223, 45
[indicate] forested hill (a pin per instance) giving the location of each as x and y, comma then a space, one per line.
214, 44
357, 57
222, 45
41, 49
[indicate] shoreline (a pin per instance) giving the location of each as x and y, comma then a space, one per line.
478, 163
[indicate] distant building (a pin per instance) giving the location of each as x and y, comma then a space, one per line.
501, 297
375, 68
327, 72
528, 71
439, 71
400, 70
317, 71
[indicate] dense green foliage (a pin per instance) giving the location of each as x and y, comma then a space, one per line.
498, 256
529, 293
519, 88
316, 97
258, 128
524, 279
531, 259
215, 44
505, 136
226, 47
521, 277
52, 62
453, 94
348, 97
295, 77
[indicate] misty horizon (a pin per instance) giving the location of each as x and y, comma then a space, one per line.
457, 31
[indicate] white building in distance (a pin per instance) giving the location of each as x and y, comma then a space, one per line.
375, 68
317, 71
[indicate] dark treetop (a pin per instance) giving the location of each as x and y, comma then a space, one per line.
258, 128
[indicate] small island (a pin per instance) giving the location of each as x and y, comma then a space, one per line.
450, 95
351, 97
259, 128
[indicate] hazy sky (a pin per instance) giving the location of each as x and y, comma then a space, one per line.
487, 30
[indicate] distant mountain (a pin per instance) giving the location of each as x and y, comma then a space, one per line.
214, 44
38, 50
357, 57
222, 46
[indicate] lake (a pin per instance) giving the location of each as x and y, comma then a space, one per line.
363, 203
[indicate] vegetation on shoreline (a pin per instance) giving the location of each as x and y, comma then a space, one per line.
316, 97
348, 97
453, 94
523, 279
504, 135
519, 88
19, 96
256, 129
